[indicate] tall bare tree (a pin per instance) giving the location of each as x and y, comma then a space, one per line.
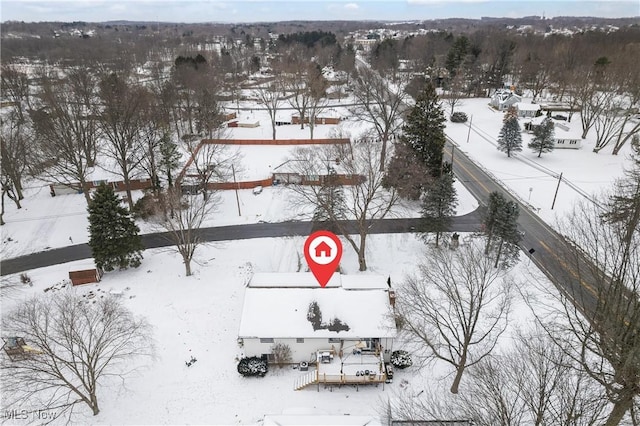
66, 129
365, 198
122, 121
14, 150
16, 87
600, 317
182, 219
379, 105
271, 97
456, 308
74, 346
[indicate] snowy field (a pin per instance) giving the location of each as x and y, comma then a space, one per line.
199, 316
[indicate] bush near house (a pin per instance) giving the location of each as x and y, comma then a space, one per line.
458, 117
401, 359
253, 366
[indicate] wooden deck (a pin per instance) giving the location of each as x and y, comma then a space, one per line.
361, 369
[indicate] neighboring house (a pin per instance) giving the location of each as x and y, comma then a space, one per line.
564, 135
304, 419
527, 110
276, 306
502, 99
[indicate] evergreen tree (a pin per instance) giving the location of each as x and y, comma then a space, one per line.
543, 137
439, 205
113, 235
424, 130
500, 223
510, 138
457, 54
406, 173
169, 157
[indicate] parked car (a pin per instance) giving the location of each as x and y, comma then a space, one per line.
458, 117
559, 117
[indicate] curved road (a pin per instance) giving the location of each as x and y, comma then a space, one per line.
466, 223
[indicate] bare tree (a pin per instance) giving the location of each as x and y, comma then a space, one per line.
66, 130
365, 198
15, 153
122, 121
453, 96
598, 322
15, 86
531, 383
457, 308
182, 219
73, 346
271, 97
378, 105
211, 162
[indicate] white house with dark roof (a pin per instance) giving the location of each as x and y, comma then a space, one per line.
565, 135
276, 306
502, 99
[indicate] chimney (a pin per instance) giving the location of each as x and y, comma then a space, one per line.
392, 298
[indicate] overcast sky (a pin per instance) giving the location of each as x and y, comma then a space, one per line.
270, 10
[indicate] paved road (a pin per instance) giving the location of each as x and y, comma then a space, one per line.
551, 254
466, 223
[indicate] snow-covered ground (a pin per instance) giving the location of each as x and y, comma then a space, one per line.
199, 316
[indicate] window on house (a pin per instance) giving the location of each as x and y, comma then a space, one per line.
560, 141
572, 142
334, 340
267, 340
299, 340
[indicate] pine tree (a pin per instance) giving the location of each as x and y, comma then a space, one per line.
543, 137
439, 205
113, 235
500, 223
424, 130
169, 157
510, 139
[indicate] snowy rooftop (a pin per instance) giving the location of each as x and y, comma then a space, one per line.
527, 107
290, 280
307, 280
366, 312
319, 419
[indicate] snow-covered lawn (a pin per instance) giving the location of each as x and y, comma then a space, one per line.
532, 179
199, 316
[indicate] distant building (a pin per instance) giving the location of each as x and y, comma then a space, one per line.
502, 99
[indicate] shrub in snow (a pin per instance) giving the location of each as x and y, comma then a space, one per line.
458, 117
401, 359
281, 354
253, 366
314, 315
337, 325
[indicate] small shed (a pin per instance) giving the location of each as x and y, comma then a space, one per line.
85, 275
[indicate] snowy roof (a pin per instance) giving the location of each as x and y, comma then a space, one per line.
307, 280
282, 312
290, 280
319, 419
527, 107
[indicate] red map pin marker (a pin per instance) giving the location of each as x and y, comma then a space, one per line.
323, 251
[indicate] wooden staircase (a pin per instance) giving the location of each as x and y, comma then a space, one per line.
308, 379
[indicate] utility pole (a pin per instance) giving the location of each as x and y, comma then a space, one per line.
469, 132
557, 188
233, 170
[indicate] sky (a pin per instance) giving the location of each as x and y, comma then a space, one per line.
273, 10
